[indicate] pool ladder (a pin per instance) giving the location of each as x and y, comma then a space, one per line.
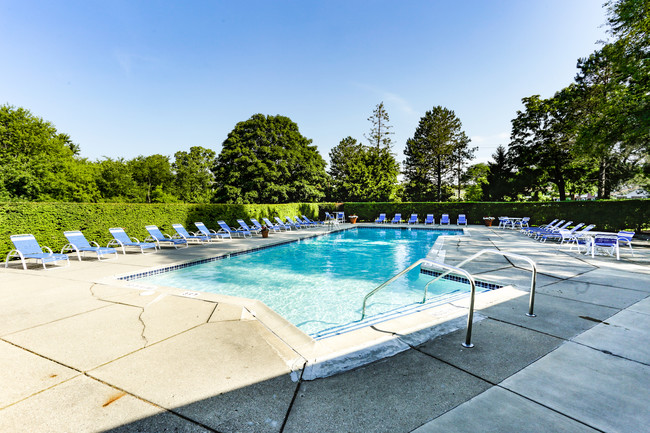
457, 270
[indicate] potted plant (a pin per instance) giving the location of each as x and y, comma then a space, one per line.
265, 232
353, 219
488, 221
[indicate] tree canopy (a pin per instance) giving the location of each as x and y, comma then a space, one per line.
265, 159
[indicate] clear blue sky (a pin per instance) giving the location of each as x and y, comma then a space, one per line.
129, 78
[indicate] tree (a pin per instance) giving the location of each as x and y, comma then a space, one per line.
265, 159
362, 173
474, 178
542, 143
499, 177
611, 130
154, 177
380, 132
461, 156
115, 181
437, 147
38, 163
194, 177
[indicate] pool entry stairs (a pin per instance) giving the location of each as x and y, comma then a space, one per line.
467, 277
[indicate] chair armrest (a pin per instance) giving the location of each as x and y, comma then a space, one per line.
69, 247
95, 243
49, 249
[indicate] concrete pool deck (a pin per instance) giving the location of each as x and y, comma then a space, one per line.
81, 351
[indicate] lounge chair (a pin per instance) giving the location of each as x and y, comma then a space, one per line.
314, 222
26, 247
257, 225
282, 223
295, 224
413, 219
555, 229
461, 220
381, 219
225, 228
397, 218
429, 219
276, 227
340, 217
155, 235
190, 237
78, 244
555, 235
245, 227
530, 231
121, 239
212, 234
578, 238
304, 222
444, 219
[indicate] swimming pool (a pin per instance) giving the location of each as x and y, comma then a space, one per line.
319, 283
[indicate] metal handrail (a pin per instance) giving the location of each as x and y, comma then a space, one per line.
378, 288
531, 302
470, 315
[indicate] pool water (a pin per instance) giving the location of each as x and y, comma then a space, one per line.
319, 283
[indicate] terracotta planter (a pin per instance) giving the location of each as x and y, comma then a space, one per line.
353, 220
265, 233
488, 223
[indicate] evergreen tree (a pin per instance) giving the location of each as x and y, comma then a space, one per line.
436, 149
499, 177
380, 133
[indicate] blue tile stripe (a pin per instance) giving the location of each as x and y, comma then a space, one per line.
459, 279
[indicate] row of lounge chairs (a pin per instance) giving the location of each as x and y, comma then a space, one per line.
27, 247
413, 219
581, 235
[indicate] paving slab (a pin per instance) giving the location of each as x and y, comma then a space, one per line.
641, 306
624, 334
599, 294
630, 279
23, 374
562, 318
230, 376
499, 410
35, 300
86, 340
85, 405
606, 392
500, 349
397, 394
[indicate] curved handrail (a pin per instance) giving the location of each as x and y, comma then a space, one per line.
470, 314
378, 288
531, 302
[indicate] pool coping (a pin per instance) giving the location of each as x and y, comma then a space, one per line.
317, 358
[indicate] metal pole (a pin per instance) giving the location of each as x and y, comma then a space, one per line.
470, 316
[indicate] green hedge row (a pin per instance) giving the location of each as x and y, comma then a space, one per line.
48, 221
605, 214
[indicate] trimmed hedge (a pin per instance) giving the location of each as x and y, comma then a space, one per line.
605, 214
48, 221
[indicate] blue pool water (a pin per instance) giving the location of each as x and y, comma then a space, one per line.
320, 282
